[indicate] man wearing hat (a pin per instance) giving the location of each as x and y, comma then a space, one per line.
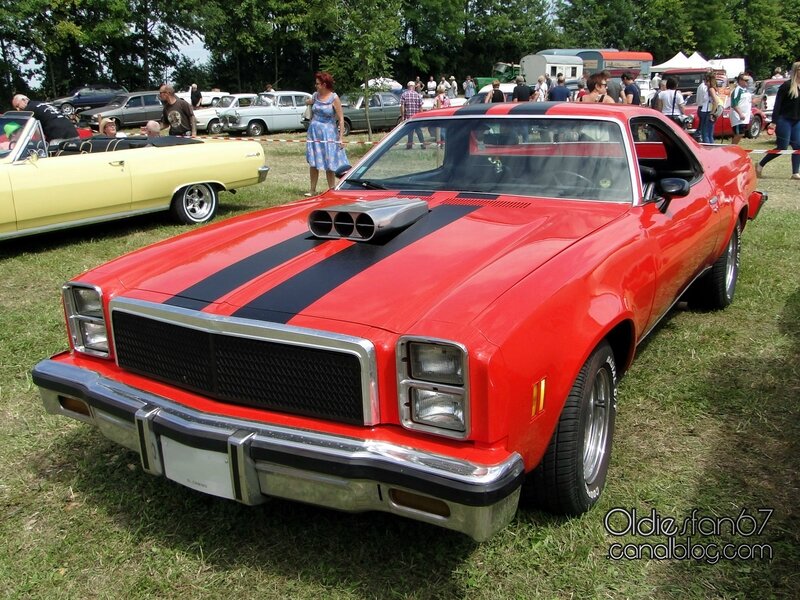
411, 104
108, 127
522, 92
56, 126
452, 91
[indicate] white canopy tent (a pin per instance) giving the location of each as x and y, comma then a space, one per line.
679, 61
698, 62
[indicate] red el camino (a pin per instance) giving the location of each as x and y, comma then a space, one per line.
442, 332
722, 126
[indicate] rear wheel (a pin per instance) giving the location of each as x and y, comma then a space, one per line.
348, 127
67, 108
214, 127
756, 126
715, 289
572, 474
196, 203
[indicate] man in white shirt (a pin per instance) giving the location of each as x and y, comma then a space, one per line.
741, 108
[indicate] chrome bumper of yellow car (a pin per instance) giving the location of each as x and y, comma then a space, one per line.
245, 460
262, 173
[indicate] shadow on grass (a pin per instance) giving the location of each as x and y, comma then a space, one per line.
375, 553
752, 466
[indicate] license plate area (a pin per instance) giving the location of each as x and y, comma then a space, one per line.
202, 470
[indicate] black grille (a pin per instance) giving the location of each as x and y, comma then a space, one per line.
271, 375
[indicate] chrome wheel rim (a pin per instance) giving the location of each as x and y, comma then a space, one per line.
732, 265
596, 428
198, 202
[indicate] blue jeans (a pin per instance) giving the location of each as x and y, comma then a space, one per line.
788, 132
706, 127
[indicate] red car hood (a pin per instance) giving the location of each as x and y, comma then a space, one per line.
448, 266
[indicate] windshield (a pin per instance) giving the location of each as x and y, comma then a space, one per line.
118, 101
582, 159
10, 133
225, 101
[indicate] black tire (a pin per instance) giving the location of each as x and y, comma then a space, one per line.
572, 474
716, 288
214, 127
756, 126
256, 128
195, 203
348, 127
67, 109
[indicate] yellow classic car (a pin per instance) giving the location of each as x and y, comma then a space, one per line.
57, 184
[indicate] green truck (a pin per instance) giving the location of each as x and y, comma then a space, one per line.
504, 72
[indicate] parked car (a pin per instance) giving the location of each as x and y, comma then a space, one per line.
446, 327
384, 112
76, 182
88, 96
208, 118
764, 97
506, 88
689, 79
722, 126
272, 111
209, 98
127, 110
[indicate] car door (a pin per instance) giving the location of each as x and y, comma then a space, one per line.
685, 232
390, 106
284, 115
60, 190
153, 109
133, 113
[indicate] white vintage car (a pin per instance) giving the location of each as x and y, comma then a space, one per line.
75, 182
273, 111
208, 118
211, 98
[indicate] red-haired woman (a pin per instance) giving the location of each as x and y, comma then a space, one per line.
324, 145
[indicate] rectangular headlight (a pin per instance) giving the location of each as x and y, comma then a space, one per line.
85, 319
438, 409
438, 363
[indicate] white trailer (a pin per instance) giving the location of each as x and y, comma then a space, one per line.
534, 65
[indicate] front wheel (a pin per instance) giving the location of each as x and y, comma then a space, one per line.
67, 109
196, 203
572, 474
347, 127
256, 128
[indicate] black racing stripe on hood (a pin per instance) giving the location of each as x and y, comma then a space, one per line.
203, 293
532, 108
480, 108
284, 301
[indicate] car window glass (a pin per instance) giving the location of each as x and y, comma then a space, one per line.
375, 101
134, 102
583, 159
151, 100
285, 101
390, 100
118, 100
226, 101
300, 100
659, 148
245, 102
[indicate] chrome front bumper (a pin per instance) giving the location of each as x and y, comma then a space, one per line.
262, 173
247, 460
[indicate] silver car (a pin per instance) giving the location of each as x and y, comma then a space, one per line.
272, 111
127, 110
208, 118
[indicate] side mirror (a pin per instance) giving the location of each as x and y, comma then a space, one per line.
669, 188
342, 171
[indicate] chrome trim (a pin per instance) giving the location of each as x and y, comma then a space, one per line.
74, 317
405, 382
262, 173
283, 454
361, 348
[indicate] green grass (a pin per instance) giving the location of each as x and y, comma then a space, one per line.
708, 420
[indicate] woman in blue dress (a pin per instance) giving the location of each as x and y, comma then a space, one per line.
324, 145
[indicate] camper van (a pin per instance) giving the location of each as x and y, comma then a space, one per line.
534, 65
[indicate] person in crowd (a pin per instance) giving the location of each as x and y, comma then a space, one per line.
418, 85
559, 92
324, 143
108, 128
195, 96
55, 125
411, 104
496, 95
178, 114
655, 101
151, 129
452, 91
786, 115
521, 91
469, 87
614, 86
442, 100
777, 73
670, 101
443, 83
580, 92
708, 98
540, 90
631, 94
597, 85
741, 108
268, 88
431, 87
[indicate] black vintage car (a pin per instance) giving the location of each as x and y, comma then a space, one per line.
88, 96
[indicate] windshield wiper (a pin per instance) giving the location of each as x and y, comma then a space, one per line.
367, 184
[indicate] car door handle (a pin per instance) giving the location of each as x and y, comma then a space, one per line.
117, 163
